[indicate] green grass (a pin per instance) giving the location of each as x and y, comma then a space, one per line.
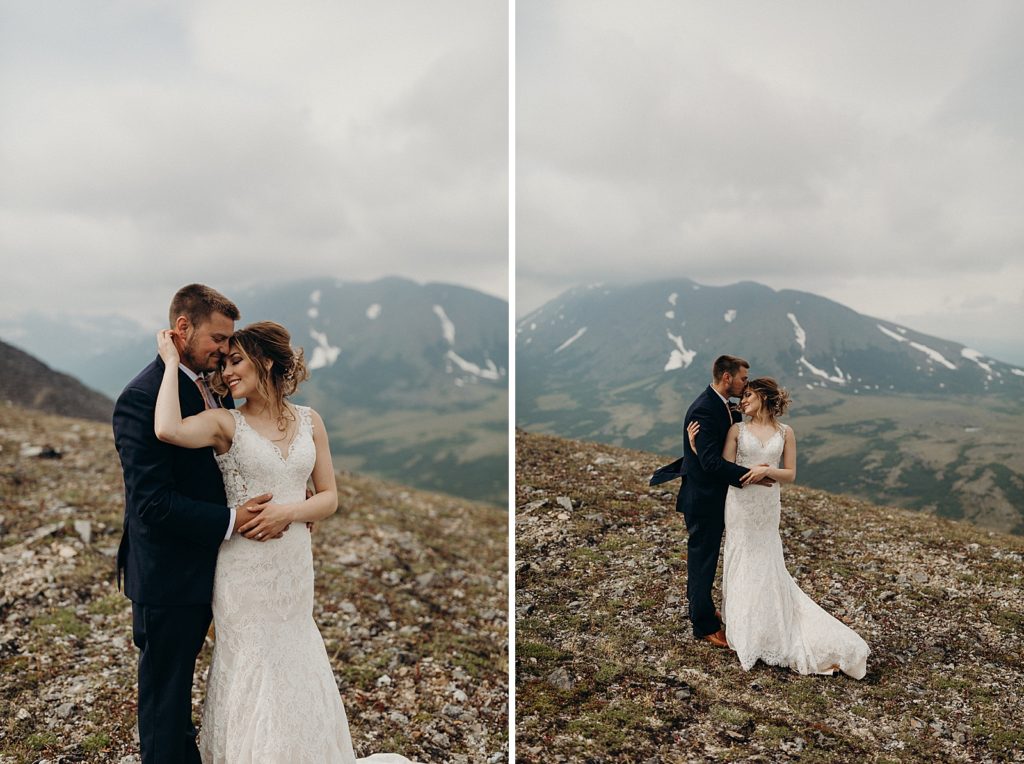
96, 742
730, 715
62, 621
110, 604
39, 741
543, 653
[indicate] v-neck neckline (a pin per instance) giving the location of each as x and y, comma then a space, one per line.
764, 443
285, 455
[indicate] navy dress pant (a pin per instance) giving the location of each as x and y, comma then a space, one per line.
169, 640
702, 550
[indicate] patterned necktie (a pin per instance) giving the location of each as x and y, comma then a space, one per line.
208, 400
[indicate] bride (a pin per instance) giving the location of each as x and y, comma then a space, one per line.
767, 616
271, 694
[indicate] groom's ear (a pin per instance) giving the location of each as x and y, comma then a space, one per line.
181, 324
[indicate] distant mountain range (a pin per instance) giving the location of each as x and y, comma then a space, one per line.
412, 380
27, 382
898, 416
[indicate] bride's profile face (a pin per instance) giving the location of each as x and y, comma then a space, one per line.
238, 374
750, 403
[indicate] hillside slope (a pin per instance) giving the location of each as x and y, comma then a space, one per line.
27, 381
607, 669
411, 601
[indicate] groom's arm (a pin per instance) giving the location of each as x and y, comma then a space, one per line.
149, 480
709, 451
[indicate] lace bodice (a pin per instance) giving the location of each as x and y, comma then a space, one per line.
254, 465
750, 450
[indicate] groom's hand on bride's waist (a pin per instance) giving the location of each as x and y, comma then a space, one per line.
751, 478
269, 523
246, 513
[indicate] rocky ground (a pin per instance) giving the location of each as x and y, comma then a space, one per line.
606, 669
412, 595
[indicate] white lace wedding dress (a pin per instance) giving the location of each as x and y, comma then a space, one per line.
271, 695
767, 616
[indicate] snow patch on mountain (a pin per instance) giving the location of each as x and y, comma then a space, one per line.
730, 315
324, 354
838, 379
571, 340
933, 355
670, 314
447, 327
891, 333
373, 311
680, 357
1018, 372
490, 371
314, 300
672, 299
974, 355
801, 335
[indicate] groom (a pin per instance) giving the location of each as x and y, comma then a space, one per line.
701, 498
175, 518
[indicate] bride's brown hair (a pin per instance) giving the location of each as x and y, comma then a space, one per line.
774, 398
269, 341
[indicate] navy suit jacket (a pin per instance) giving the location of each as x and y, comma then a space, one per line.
707, 476
175, 513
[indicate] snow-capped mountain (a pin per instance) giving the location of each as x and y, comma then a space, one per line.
674, 329
411, 379
904, 417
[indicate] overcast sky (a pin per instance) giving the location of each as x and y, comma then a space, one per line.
870, 152
148, 143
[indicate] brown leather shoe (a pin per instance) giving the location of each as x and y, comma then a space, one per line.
717, 639
718, 615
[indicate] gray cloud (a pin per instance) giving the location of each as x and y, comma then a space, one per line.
869, 152
145, 145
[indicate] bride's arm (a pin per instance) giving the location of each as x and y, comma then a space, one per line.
214, 427
321, 504
731, 439
787, 474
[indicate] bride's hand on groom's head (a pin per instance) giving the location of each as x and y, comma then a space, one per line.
166, 347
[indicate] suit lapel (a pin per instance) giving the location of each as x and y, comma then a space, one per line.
722, 408
189, 396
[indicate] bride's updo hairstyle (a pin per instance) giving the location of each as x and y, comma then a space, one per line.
266, 341
775, 399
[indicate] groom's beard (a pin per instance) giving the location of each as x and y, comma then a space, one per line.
199, 365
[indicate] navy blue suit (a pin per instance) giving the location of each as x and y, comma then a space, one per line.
175, 518
701, 499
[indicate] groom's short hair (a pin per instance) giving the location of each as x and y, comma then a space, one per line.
727, 363
197, 302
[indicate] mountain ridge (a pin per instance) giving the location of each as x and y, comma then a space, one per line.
29, 382
872, 400
411, 379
